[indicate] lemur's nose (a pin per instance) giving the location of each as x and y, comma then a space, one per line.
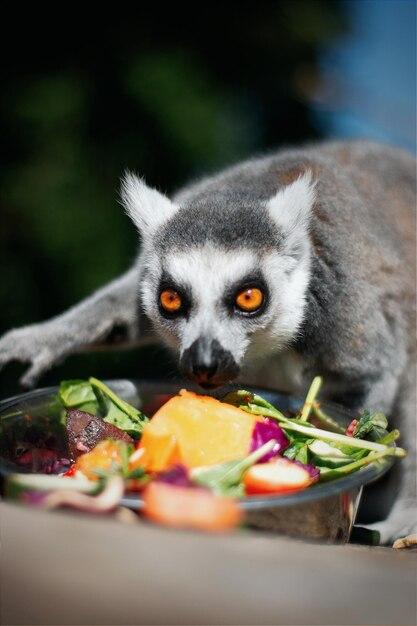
203, 372
208, 363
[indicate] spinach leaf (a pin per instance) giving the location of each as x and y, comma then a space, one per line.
299, 451
78, 394
116, 411
94, 397
371, 425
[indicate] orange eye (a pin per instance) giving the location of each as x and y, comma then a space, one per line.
249, 300
170, 300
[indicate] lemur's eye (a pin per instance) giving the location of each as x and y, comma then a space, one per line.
170, 300
249, 300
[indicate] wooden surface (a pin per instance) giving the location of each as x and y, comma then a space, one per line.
57, 568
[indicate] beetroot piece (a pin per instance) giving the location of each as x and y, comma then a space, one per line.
176, 475
84, 431
42, 460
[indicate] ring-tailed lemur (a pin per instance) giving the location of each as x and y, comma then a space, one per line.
279, 268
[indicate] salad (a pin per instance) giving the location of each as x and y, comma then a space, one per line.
195, 458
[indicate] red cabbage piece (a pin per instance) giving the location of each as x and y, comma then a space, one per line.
177, 475
35, 498
311, 469
265, 431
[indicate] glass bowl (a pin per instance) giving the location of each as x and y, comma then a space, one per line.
325, 511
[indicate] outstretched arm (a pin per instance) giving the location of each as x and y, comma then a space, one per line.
108, 317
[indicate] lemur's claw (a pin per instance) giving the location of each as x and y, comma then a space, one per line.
406, 542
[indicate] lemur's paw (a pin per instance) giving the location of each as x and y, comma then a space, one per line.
33, 344
406, 542
399, 529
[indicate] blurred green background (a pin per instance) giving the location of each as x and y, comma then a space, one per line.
167, 91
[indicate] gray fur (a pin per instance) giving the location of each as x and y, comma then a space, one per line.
244, 224
358, 325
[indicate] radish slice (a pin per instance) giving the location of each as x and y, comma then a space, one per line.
279, 476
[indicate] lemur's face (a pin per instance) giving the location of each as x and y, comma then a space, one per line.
223, 279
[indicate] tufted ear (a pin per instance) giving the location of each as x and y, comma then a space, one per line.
147, 207
290, 208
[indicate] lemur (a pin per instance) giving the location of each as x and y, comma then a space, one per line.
272, 271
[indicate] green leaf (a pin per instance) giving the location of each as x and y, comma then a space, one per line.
78, 394
371, 425
116, 411
303, 454
226, 477
94, 397
298, 450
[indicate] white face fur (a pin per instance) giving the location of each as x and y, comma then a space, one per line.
210, 274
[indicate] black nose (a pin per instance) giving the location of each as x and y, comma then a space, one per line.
208, 363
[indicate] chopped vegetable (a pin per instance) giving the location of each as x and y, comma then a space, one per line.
265, 431
325, 419
84, 431
327, 473
116, 411
225, 478
256, 405
106, 501
328, 456
108, 457
371, 425
157, 452
350, 430
310, 398
16, 484
78, 394
298, 451
178, 475
205, 430
94, 397
279, 476
181, 507
42, 460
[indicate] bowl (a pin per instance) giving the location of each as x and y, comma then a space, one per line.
325, 511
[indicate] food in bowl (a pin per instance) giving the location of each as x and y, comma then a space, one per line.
197, 457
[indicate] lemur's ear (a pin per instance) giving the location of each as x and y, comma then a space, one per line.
290, 208
147, 207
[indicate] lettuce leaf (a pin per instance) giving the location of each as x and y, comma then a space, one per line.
78, 394
94, 397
